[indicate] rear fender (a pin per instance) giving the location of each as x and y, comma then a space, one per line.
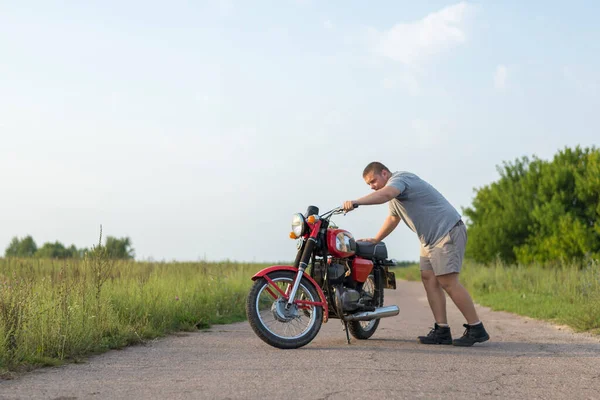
263, 273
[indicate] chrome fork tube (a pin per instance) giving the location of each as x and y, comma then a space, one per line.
308, 249
295, 288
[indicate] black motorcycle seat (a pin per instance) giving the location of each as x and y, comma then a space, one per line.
376, 251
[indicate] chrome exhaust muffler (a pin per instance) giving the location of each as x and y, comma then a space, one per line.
381, 312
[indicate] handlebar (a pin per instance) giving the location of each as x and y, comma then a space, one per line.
335, 211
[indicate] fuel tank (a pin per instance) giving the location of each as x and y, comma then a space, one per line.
340, 243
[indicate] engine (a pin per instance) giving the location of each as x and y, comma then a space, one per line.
347, 292
337, 271
347, 299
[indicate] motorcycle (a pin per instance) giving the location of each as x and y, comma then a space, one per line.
333, 276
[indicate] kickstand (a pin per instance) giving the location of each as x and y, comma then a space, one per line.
346, 329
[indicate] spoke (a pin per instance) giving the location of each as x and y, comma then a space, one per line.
286, 329
300, 326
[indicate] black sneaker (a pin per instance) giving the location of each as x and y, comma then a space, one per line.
473, 334
438, 335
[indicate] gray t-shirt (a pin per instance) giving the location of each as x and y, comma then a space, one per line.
423, 209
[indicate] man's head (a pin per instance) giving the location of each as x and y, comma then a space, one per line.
376, 175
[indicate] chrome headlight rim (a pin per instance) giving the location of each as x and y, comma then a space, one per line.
298, 225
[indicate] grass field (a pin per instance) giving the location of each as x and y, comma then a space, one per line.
565, 294
52, 310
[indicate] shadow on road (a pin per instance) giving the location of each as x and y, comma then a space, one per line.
500, 349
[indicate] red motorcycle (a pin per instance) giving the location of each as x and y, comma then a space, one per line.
333, 276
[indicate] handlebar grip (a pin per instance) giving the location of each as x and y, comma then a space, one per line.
355, 205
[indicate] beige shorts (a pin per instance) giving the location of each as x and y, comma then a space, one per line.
447, 255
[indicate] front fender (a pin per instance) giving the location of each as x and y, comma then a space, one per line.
274, 268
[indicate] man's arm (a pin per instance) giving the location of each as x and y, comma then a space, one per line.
381, 196
390, 223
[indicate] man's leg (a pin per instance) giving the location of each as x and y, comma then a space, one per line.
437, 302
459, 296
435, 296
447, 262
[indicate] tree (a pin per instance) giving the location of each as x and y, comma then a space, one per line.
54, 250
119, 248
78, 253
539, 210
25, 247
565, 215
499, 218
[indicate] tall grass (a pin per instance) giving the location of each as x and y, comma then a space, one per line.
566, 293
52, 310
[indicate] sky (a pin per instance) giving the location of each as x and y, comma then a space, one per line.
197, 129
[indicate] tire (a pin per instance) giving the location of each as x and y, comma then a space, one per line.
363, 330
275, 325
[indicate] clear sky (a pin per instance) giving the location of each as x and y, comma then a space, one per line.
197, 128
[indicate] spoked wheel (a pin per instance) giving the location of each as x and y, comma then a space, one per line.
276, 323
365, 329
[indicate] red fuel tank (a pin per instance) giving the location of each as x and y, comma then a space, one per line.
340, 243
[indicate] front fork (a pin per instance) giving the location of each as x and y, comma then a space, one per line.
302, 264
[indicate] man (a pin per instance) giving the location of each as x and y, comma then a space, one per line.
443, 238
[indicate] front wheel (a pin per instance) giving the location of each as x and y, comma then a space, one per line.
276, 324
365, 329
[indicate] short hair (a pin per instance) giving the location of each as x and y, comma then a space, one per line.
375, 167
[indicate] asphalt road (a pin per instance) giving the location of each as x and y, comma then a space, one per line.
525, 359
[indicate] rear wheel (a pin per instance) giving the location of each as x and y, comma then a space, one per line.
365, 329
275, 323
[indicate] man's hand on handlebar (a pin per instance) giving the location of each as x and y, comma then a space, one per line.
349, 205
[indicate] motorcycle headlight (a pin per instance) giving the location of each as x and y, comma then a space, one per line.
298, 225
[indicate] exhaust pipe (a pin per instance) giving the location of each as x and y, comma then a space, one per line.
381, 312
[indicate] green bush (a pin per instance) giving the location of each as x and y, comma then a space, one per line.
539, 211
